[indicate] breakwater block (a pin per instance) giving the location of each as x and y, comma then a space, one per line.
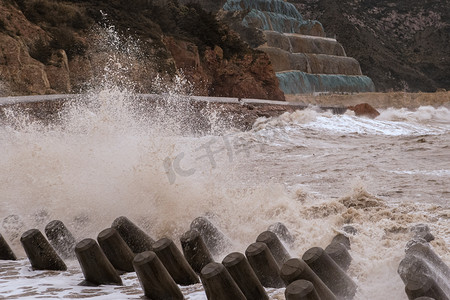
195, 250
422, 231
424, 286
339, 253
174, 262
244, 276
275, 246
296, 269
301, 290
96, 267
282, 232
60, 238
424, 251
155, 280
40, 253
136, 238
420, 260
116, 250
214, 239
350, 229
411, 266
218, 283
6, 252
343, 239
330, 273
262, 262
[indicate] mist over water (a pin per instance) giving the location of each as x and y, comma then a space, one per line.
106, 156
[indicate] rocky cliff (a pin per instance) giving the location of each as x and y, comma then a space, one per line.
305, 60
401, 45
51, 46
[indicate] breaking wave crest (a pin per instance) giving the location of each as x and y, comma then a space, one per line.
394, 122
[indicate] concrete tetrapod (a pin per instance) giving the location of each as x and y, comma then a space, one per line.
411, 266
422, 231
301, 290
244, 276
339, 253
174, 262
6, 252
424, 251
195, 250
282, 232
275, 246
96, 267
218, 283
414, 266
424, 286
264, 265
40, 253
136, 238
214, 239
116, 250
60, 238
340, 238
349, 229
296, 269
330, 273
154, 278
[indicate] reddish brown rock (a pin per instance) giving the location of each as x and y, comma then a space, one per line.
32, 63
187, 61
251, 76
19, 69
58, 73
364, 109
80, 69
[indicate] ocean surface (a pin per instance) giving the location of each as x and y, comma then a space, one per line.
104, 156
310, 169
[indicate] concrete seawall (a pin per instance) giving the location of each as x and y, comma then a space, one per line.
47, 107
377, 100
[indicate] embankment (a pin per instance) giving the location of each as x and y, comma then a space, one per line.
377, 100
242, 113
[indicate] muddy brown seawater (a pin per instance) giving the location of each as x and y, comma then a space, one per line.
312, 170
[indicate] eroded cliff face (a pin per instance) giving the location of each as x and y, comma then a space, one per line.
401, 45
248, 76
18, 70
42, 55
31, 61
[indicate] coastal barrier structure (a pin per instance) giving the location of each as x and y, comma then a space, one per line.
40, 253
51, 108
304, 59
423, 271
60, 238
267, 263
